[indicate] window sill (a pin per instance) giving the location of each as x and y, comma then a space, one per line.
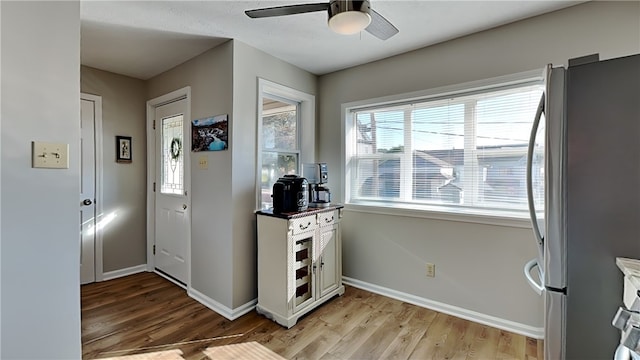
502, 218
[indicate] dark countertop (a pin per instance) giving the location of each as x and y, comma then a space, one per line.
298, 214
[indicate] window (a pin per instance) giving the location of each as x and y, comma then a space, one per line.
461, 151
286, 123
280, 143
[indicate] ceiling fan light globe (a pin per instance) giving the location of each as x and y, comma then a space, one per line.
349, 22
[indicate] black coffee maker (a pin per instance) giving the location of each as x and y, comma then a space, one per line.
317, 175
290, 194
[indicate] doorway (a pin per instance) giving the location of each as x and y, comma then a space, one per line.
90, 188
169, 198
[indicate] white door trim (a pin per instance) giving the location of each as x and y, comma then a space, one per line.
98, 190
151, 169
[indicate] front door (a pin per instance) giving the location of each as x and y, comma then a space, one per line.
172, 201
87, 191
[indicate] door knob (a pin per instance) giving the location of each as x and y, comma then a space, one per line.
184, 206
87, 202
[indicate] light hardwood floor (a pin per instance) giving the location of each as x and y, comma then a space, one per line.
144, 313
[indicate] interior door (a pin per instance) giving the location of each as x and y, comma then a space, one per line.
87, 191
172, 201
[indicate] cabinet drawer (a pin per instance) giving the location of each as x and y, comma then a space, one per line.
327, 218
303, 224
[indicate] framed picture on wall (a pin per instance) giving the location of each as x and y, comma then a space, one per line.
123, 149
210, 134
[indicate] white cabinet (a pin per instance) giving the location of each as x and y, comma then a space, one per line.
299, 262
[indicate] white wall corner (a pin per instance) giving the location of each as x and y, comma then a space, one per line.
503, 324
230, 314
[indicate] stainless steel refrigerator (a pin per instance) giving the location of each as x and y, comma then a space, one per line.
584, 194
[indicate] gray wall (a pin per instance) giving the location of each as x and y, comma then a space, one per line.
124, 240
40, 301
248, 65
479, 266
210, 78
224, 80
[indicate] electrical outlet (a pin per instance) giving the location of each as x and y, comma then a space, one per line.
431, 270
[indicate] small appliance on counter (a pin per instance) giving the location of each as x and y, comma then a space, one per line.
317, 175
290, 194
627, 319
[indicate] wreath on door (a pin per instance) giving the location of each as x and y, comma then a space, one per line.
176, 148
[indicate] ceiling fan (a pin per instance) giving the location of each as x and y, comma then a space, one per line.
345, 16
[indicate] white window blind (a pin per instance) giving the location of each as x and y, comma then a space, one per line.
463, 150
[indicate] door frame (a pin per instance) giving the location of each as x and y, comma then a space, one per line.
97, 131
152, 104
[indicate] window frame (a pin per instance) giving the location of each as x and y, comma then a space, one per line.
305, 128
281, 151
504, 217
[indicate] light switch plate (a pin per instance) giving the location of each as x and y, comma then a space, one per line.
50, 155
203, 162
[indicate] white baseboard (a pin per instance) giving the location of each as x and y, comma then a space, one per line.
169, 278
124, 272
228, 313
508, 325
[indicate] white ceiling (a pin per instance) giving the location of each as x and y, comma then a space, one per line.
145, 38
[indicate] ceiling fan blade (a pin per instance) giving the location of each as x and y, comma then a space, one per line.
287, 10
380, 27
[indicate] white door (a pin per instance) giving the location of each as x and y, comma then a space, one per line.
172, 201
87, 191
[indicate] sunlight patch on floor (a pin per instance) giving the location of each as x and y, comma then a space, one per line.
174, 354
245, 351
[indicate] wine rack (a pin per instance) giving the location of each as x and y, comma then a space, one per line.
303, 270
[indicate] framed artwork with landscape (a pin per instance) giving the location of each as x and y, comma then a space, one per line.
210, 134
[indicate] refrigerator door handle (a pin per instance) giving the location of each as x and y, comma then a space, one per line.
532, 140
537, 287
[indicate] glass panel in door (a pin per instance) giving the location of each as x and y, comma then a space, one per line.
172, 174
